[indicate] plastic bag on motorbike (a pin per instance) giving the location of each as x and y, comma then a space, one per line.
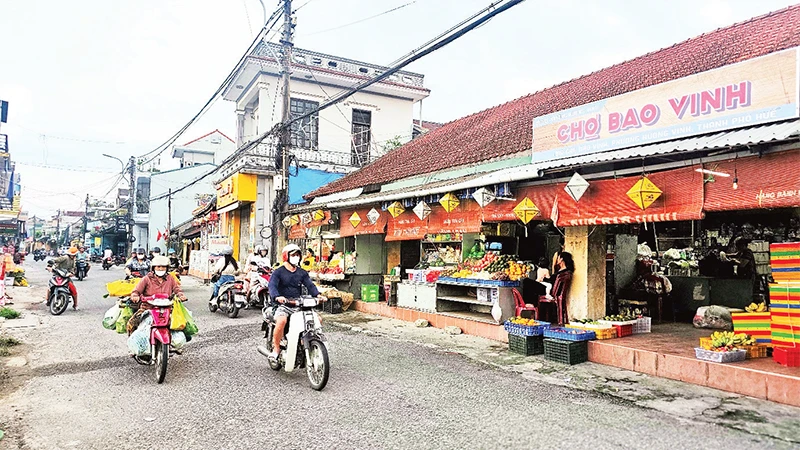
111, 316
177, 320
121, 288
178, 339
191, 326
121, 323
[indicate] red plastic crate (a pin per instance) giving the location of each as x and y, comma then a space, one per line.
624, 330
787, 356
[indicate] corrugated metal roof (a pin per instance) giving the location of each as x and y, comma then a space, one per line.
735, 138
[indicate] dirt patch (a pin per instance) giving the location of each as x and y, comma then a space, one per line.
740, 415
11, 378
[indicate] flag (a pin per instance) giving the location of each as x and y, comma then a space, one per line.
158, 237
554, 212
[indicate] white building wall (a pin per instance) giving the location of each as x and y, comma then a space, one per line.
183, 202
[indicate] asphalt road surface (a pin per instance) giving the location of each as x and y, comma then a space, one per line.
86, 392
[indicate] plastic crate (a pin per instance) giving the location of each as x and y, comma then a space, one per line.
569, 334
526, 330
600, 333
526, 345
369, 293
785, 356
720, 357
334, 305
642, 325
755, 351
624, 330
566, 352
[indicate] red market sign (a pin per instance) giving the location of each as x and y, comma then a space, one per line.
466, 218
771, 181
406, 227
364, 226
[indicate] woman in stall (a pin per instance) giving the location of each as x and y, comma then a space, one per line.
561, 281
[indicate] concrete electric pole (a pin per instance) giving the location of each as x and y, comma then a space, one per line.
132, 203
85, 219
285, 136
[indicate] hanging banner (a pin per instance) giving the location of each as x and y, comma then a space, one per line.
406, 227
466, 218
755, 91
346, 227
772, 181
297, 232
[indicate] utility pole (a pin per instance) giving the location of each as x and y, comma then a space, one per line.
169, 220
58, 228
131, 202
285, 137
85, 219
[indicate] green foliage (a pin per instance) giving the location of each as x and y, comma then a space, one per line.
9, 313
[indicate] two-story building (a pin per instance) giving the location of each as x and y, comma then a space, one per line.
324, 146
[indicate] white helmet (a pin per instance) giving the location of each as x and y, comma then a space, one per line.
291, 248
160, 261
226, 250
258, 249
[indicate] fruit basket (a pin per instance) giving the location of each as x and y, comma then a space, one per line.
536, 327
566, 352
569, 334
526, 345
642, 325
720, 357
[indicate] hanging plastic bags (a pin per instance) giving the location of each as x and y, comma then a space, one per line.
178, 339
122, 321
191, 326
177, 320
111, 316
122, 288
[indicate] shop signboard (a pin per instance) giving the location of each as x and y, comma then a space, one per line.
239, 187
217, 243
363, 226
757, 91
406, 227
464, 219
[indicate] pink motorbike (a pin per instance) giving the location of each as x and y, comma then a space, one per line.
160, 306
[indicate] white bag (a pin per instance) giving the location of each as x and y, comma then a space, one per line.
111, 316
497, 312
178, 339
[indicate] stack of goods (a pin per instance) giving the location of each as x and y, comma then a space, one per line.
722, 341
601, 331
333, 270
525, 336
122, 319
623, 323
724, 347
785, 302
18, 273
567, 345
492, 268
756, 322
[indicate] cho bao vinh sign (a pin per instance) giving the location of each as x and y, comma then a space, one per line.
752, 92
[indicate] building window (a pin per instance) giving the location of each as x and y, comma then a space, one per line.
305, 133
362, 122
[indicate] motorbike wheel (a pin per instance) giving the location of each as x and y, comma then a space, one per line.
162, 357
233, 309
212, 307
318, 368
59, 304
80, 275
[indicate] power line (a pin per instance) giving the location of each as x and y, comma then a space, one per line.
64, 138
264, 30
70, 168
360, 20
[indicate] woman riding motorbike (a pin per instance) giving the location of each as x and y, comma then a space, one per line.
67, 264
155, 282
226, 268
140, 265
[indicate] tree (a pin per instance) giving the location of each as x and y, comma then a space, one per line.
392, 144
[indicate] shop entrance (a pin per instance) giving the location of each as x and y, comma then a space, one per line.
244, 230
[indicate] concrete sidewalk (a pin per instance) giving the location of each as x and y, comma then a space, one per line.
682, 400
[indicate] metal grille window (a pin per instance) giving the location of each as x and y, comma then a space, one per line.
362, 122
305, 133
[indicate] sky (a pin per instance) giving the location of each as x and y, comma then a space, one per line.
89, 77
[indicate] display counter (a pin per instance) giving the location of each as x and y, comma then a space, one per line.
690, 293
456, 299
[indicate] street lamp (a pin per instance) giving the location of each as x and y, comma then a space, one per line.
121, 164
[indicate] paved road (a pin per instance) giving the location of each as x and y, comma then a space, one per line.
87, 393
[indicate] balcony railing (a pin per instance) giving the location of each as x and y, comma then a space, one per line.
304, 155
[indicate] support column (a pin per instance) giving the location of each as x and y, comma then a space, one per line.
587, 296
239, 129
265, 119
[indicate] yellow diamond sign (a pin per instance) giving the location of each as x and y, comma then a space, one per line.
319, 215
449, 202
644, 193
526, 210
355, 219
395, 209
294, 220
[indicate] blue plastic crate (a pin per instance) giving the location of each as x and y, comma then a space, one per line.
573, 335
526, 330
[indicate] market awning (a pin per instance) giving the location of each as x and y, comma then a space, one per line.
774, 132
229, 208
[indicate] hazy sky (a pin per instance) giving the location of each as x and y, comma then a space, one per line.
88, 77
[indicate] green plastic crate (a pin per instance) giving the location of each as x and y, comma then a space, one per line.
566, 352
526, 345
369, 293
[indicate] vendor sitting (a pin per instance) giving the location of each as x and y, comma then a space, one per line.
745, 260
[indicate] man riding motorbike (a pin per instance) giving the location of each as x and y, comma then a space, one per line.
84, 256
174, 262
140, 264
286, 284
67, 264
155, 282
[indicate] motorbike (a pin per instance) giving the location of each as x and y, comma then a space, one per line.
303, 346
230, 299
258, 293
160, 307
108, 262
39, 255
59, 294
119, 260
81, 268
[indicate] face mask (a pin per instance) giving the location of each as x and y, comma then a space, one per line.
140, 256
294, 260
161, 273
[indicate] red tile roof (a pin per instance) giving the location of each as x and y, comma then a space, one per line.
207, 135
507, 129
